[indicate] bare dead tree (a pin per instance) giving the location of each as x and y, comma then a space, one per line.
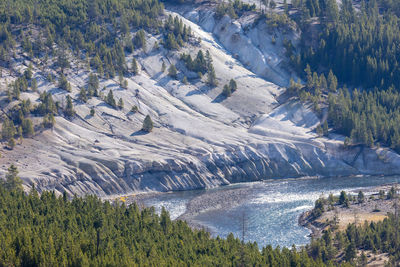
243, 222
355, 212
243, 225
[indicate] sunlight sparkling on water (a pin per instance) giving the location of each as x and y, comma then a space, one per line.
271, 212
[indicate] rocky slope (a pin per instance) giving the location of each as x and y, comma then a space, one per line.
201, 139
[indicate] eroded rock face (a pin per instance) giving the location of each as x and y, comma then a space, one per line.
200, 138
257, 45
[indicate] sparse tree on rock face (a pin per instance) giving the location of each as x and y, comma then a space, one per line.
121, 103
93, 85
110, 99
233, 85
82, 95
27, 127
211, 77
8, 129
172, 71
12, 182
325, 128
62, 61
69, 109
319, 130
63, 83
11, 143
134, 66
147, 124
48, 121
227, 92
134, 109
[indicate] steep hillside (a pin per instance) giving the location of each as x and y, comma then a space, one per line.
200, 138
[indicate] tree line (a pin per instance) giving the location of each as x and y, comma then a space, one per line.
51, 230
376, 237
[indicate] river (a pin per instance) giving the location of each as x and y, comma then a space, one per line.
268, 210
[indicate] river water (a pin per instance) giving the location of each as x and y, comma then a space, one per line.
270, 209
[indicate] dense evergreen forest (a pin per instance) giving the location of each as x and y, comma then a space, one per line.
355, 45
50, 230
360, 44
47, 230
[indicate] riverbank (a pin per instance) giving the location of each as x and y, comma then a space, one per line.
332, 216
374, 207
270, 209
202, 201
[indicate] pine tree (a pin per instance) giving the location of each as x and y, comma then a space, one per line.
34, 86
63, 83
351, 252
322, 82
134, 109
319, 130
325, 128
82, 95
12, 182
332, 82
140, 40
120, 79
110, 99
19, 133
125, 84
309, 77
172, 71
360, 197
171, 43
134, 66
8, 129
48, 121
11, 143
343, 198
227, 92
28, 72
121, 103
211, 77
69, 109
27, 127
93, 85
233, 85
147, 124
62, 61
209, 60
